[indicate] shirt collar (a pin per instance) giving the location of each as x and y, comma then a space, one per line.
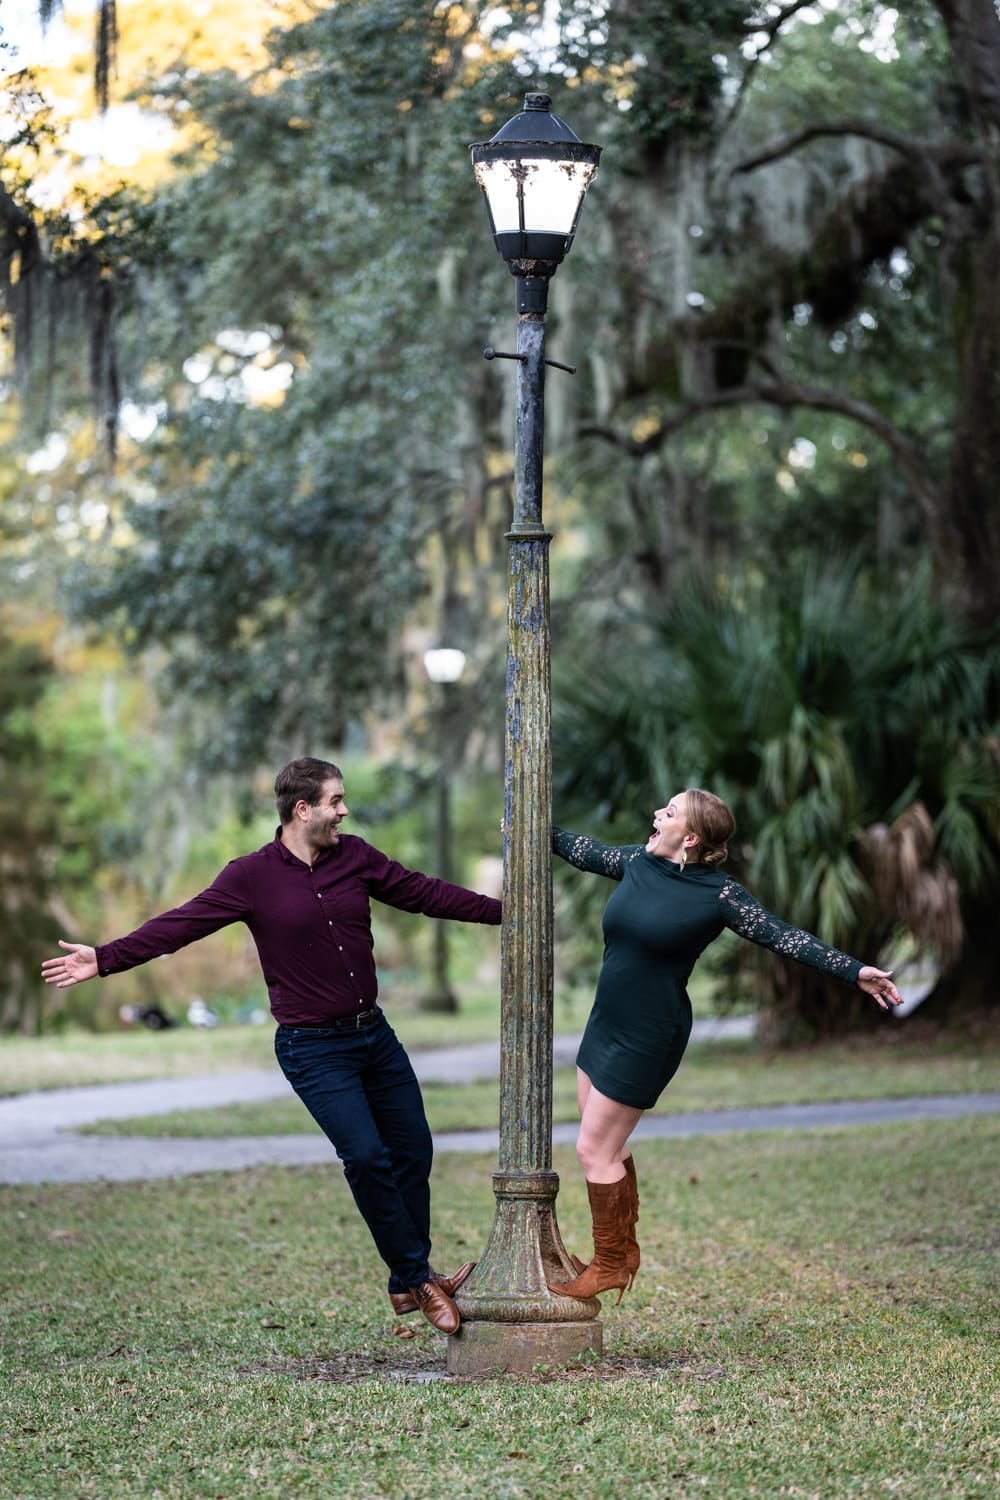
293, 859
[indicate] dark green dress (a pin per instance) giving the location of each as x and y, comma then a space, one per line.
656, 925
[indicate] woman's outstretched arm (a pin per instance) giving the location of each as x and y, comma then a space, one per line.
587, 854
745, 916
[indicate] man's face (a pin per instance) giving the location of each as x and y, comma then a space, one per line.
326, 816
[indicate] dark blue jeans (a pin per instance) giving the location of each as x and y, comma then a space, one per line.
361, 1090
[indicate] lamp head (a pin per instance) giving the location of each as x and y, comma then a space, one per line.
534, 174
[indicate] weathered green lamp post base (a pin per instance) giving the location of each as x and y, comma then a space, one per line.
520, 1348
510, 1318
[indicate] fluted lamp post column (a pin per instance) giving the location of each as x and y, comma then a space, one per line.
534, 174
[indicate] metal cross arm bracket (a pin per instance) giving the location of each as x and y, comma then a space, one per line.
491, 353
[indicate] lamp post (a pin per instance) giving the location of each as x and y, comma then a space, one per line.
534, 174
444, 666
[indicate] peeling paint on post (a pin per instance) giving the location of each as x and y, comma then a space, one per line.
510, 1318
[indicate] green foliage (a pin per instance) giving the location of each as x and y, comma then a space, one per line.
663, 64
817, 713
276, 551
278, 580
25, 878
819, 69
83, 797
56, 823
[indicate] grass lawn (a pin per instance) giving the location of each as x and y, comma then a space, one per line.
815, 1317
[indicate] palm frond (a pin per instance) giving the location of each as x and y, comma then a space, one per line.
914, 883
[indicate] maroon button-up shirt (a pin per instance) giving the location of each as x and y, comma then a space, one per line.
311, 923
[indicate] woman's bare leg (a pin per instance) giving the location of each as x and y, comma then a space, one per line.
582, 1094
583, 1088
605, 1127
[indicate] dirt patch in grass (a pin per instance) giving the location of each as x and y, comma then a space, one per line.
420, 1365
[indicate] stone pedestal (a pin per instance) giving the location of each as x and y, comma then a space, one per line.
495, 1348
511, 1319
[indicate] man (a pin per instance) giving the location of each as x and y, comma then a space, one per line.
305, 898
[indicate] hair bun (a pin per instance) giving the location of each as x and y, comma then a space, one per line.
713, 822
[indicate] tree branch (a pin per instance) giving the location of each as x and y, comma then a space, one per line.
19, 240
12, 215
769, 28
786, 394
774, 23
962, 153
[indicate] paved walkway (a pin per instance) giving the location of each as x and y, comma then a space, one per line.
38, 1144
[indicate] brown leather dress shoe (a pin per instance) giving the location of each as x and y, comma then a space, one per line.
406, 1302
436, 1306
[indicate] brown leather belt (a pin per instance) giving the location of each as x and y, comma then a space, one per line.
338, 1023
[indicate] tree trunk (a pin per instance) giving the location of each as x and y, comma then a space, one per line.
801, 1005
971, 564
973, 28
971, 985
969, 542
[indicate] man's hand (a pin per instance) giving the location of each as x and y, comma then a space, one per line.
72, 967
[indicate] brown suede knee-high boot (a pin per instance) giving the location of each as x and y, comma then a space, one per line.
633, 1256
610, 1207
633, 1244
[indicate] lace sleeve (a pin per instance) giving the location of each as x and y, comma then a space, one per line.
744, 915
587, 854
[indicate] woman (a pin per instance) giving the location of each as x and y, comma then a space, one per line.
672, 901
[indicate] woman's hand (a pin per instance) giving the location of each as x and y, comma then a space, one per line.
878, 983
72, 967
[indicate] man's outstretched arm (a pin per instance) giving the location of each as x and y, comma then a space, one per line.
226, 900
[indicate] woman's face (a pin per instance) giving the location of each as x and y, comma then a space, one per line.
671, 833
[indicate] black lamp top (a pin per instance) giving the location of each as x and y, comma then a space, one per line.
536, 122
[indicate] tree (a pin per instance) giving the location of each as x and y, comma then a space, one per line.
794, 213
69, 777
105, 41
275, 547
912, 173
24, 875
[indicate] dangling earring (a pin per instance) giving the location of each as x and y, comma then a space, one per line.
684, 857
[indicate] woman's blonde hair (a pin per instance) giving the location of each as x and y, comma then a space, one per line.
710, 818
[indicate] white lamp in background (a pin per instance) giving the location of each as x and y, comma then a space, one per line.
444, 664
